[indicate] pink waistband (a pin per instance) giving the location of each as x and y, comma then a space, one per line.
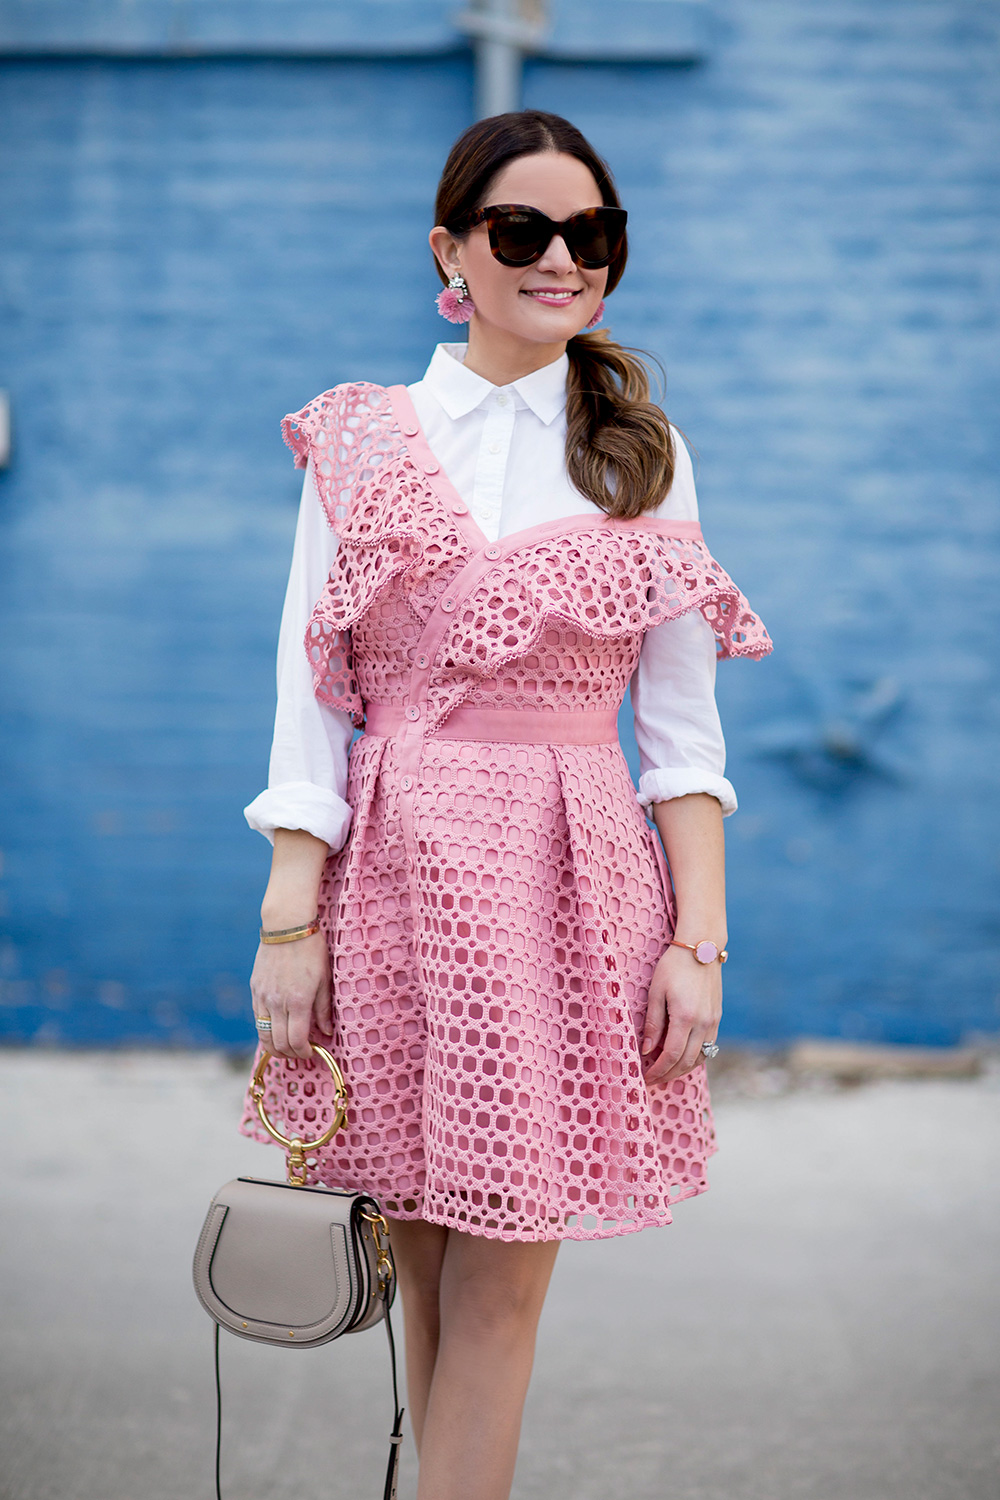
503, 725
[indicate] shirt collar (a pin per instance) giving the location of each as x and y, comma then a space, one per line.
460, 390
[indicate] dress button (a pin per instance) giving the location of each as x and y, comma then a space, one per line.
407, 783
460, 509
493, 552
410, 431
430, 467
447, 605
413, 712
421, 660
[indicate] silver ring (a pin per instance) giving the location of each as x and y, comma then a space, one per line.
263, 1023
710, 1049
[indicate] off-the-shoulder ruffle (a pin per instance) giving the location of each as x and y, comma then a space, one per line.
606, 578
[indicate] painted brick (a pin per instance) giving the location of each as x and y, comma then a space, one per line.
191, 248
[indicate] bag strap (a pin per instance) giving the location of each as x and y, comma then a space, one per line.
218, 1416
395, 1437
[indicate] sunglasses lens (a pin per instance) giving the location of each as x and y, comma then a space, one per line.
520, 237
596, 237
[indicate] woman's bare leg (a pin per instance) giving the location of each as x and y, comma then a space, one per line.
476, 1337
418, 1250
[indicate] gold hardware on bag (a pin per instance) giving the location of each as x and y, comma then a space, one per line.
297, 1147
383, 1262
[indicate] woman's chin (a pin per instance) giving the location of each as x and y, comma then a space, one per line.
552, 325
537, 324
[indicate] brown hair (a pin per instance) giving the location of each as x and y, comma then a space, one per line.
619, 450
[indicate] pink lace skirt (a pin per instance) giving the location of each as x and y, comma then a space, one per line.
493, 922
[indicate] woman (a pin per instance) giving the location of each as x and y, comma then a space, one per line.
484, 562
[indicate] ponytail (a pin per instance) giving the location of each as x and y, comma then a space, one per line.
619, 448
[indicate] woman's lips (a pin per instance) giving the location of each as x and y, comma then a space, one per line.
552, 298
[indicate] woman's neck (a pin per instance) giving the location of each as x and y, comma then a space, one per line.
501, 359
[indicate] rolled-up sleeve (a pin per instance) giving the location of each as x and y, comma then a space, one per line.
677, 727
307, 777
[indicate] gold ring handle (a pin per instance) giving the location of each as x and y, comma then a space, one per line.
296, 1147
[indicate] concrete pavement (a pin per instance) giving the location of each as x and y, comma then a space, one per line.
822, 1325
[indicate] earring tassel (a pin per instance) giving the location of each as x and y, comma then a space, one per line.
453, 307
599, 314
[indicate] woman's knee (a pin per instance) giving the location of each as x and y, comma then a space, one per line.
495, 1293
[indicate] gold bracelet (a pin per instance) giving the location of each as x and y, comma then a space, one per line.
290, 934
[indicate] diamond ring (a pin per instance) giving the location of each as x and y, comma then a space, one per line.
263, 1023
710, 1049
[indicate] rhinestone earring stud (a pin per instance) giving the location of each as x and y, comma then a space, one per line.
454, 303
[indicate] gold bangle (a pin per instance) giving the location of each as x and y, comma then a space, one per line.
290, 934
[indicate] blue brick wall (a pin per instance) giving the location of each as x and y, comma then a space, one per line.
191, 248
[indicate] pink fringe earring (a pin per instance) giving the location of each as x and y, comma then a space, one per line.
599, 314
454, 303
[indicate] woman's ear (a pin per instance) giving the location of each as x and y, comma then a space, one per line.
446, 249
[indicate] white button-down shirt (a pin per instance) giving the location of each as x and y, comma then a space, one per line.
503, 448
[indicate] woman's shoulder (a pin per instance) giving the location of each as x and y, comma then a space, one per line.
680, 503
356, 404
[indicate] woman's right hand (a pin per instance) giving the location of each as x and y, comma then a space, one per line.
290, 984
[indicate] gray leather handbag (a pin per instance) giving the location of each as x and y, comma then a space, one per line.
286, 1264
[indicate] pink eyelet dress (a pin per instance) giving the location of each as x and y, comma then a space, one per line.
496, 913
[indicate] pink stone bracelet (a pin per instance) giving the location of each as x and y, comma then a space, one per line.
706, 952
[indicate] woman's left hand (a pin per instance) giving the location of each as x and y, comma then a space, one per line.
683, 1010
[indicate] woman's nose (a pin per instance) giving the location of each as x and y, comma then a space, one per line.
557, 257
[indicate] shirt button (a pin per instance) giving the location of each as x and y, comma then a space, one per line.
430, 467
494, 447
447, 605
493, 552
413, 712
503, 400
421, 660
407, 783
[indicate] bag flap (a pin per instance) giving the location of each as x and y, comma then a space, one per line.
277, 1256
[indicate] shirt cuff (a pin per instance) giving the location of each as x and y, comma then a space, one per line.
662, 785
300, 804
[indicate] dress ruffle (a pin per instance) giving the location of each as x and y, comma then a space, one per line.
609, 579
388, 519
605, 577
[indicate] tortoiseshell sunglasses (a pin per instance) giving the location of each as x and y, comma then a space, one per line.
519, 236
